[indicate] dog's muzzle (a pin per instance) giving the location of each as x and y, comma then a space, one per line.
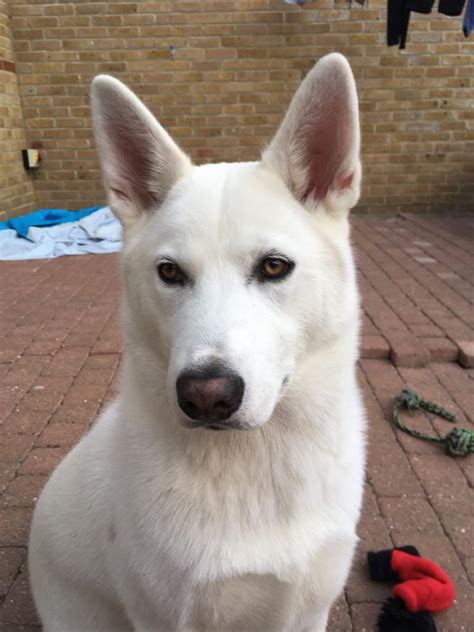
210, 395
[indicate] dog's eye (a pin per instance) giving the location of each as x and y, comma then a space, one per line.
274, 268
170, 273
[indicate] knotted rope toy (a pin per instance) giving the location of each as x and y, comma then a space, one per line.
458, 442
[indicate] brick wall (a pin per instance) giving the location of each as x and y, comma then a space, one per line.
16, 186
219, 75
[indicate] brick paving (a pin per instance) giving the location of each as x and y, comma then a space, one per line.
59, 360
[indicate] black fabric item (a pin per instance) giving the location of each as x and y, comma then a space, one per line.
451, 7
395, 21
380, 567
398, 18
420, 6
394, 617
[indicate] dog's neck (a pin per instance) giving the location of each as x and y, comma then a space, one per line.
271, 471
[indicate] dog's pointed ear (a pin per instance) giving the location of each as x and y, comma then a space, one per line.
139, 159
316, 149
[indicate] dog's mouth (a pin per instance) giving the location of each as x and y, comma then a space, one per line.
283, 385
214, 425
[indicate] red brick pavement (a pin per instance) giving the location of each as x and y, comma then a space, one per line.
59, 360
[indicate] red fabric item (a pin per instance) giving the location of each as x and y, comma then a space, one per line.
424, 586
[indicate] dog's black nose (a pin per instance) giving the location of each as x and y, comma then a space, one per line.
210, 393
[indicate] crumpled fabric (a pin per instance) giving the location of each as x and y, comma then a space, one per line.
98, 232
45, 217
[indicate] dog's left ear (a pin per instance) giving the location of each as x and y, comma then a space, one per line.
316, 149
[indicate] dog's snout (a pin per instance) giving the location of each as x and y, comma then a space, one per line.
210, 394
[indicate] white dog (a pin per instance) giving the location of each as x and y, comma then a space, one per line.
222, 489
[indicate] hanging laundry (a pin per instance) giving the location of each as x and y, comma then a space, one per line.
398, 16
451, 7
468, 22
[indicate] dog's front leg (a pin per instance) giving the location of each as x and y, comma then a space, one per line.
325, 582
319, 624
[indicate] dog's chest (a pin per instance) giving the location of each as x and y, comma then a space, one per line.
248, 602
264, 517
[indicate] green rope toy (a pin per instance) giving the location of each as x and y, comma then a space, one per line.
459, 441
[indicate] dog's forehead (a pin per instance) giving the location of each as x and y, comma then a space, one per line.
229, 204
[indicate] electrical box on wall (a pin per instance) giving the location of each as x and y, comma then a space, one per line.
31, 158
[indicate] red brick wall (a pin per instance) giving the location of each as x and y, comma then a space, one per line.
16, 186
236, 64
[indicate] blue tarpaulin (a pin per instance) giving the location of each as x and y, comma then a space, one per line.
55, 232
45, 217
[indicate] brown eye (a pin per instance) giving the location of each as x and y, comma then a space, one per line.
170, 273
274, 268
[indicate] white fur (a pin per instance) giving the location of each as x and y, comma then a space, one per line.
150, 525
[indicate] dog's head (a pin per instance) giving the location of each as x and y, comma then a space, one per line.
234, 273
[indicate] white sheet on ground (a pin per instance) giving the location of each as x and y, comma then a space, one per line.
98, 232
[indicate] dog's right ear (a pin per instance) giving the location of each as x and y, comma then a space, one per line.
139, 159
